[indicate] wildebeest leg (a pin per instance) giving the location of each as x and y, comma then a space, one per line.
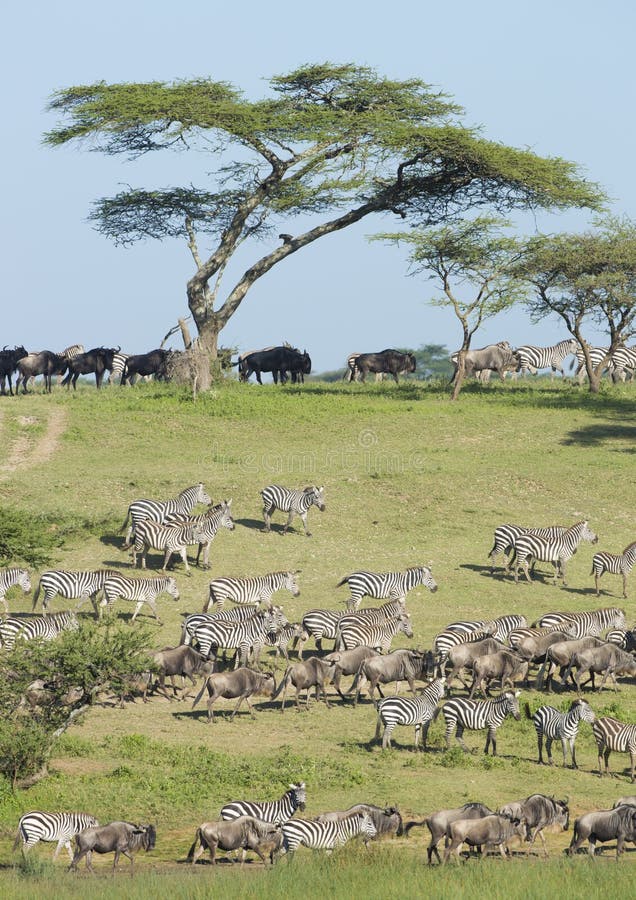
235, 710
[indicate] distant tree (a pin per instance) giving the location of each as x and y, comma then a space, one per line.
473, 263
433, 361
586, 278
331, 145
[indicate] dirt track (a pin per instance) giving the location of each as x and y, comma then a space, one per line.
26, 451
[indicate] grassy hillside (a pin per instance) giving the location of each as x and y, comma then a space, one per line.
410, 478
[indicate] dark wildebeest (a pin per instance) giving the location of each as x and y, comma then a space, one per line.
8, 363
277, 360
347, 662
97, 361
314, 672
604, 825
391, 362
497, 358
44, 363
607, 659
183, 660
244, 833
241, 683
538, 812
400, 665
152, 363
387, 820
299, 365
439, 822
489, 832
503, 666
117, 838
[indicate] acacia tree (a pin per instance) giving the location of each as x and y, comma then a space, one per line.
474, 265
589, 277
331, 145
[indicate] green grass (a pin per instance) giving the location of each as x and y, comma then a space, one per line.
409, 478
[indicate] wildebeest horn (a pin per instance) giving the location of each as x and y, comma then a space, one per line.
118, 349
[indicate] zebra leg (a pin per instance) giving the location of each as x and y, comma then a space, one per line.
624, 586
459, 732
571, 741
632, 758
303, 516
548, 750
289, 521
491, 739
386, 737
556, 572
62, 842
267, 516
540, 746
425, 728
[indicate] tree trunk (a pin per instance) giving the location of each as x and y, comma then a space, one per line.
595, 381
460, 374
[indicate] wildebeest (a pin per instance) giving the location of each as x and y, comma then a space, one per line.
44, 363
391, 362
625, 801
400, 665
617, 824
464, 655
117, 838
439, 822
560, 654
347, 662
539, 812
489, 832
8, 362
152, 363
497, 358
314, 672
244, 833
608, 659
97, 361
503, 666
241, 683
277, 360
183, 660
387, 820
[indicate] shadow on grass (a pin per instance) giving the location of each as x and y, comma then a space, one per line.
602, 432
113, 540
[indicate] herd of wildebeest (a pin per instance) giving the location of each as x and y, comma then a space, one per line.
502, 651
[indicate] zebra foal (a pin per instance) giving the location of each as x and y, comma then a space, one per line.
48, 827
291, 501
9, 577
419, 711
615, 564
554, 725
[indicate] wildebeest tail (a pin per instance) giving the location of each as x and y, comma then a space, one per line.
282, 684
200, 694
198, 839
413, 824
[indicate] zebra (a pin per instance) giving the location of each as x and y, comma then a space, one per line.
281, 639
419, 711
206, 526
452, 636
376, 634
71, 586
236, 614
275, 812
239, 636
386, 584
616, 564
557, 725
371, 615
623, 638
292, 502
44, 628
175, 538
43, 826
9, 577
586, 624
139, 590
506, 535
352, 372
119, 361
556, 550
159, 509
251, 591
461, 713
533, 358
319, 624
598, 355
611, 734
325, 835
623, 361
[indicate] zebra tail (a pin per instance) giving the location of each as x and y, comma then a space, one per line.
125, 525
35, 597
527, 711
343, 581
200, 694
20, 836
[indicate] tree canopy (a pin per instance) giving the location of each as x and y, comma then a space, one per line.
330, 145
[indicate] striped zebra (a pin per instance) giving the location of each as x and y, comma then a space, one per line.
71, 585
623, 363
251, 591
381, 585
598, 355
244, 637
44, 826
623, 638
586, 624
453, 636
555, 725
206, 526
556, 550
9, 577
44, 628
615, 564
534, 358
325, 835
611, 734
353, 373
419, 711
183, 503
292, 502
139, 590
175, 538
235, 614
119, 361
69, 353
506, 535
372, 615
282, 638
319, 624
275, 812
377, 635
460, 713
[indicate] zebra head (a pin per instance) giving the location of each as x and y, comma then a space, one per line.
366, 826
171, 587
586, 533
298, 795
226, 517
427, 578
24, 580
274, 618
512, 703
405, 625
585, 711
618, 618
291, 584
201, 495
317, 496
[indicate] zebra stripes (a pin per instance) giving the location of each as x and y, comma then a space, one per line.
585, 624
175, 538
291, 501
183, 503
377, 635
386, 584
506, 535
598, 355
456, 634
251, 591
615, 564
319, 624
611, 734
534, 358
207, 526
236, 614
139, 590
243, 637
373, 615
44, 628
419, 711
556, 550
71, 585
44, 826
623, 362
460, 713
281, 639
9, 577
325, 835
276, 811
554, 725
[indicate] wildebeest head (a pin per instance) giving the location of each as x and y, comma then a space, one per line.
147, 836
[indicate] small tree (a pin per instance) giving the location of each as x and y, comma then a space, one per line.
589, 277
473, 264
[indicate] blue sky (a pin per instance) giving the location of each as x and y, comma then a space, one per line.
554, 77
